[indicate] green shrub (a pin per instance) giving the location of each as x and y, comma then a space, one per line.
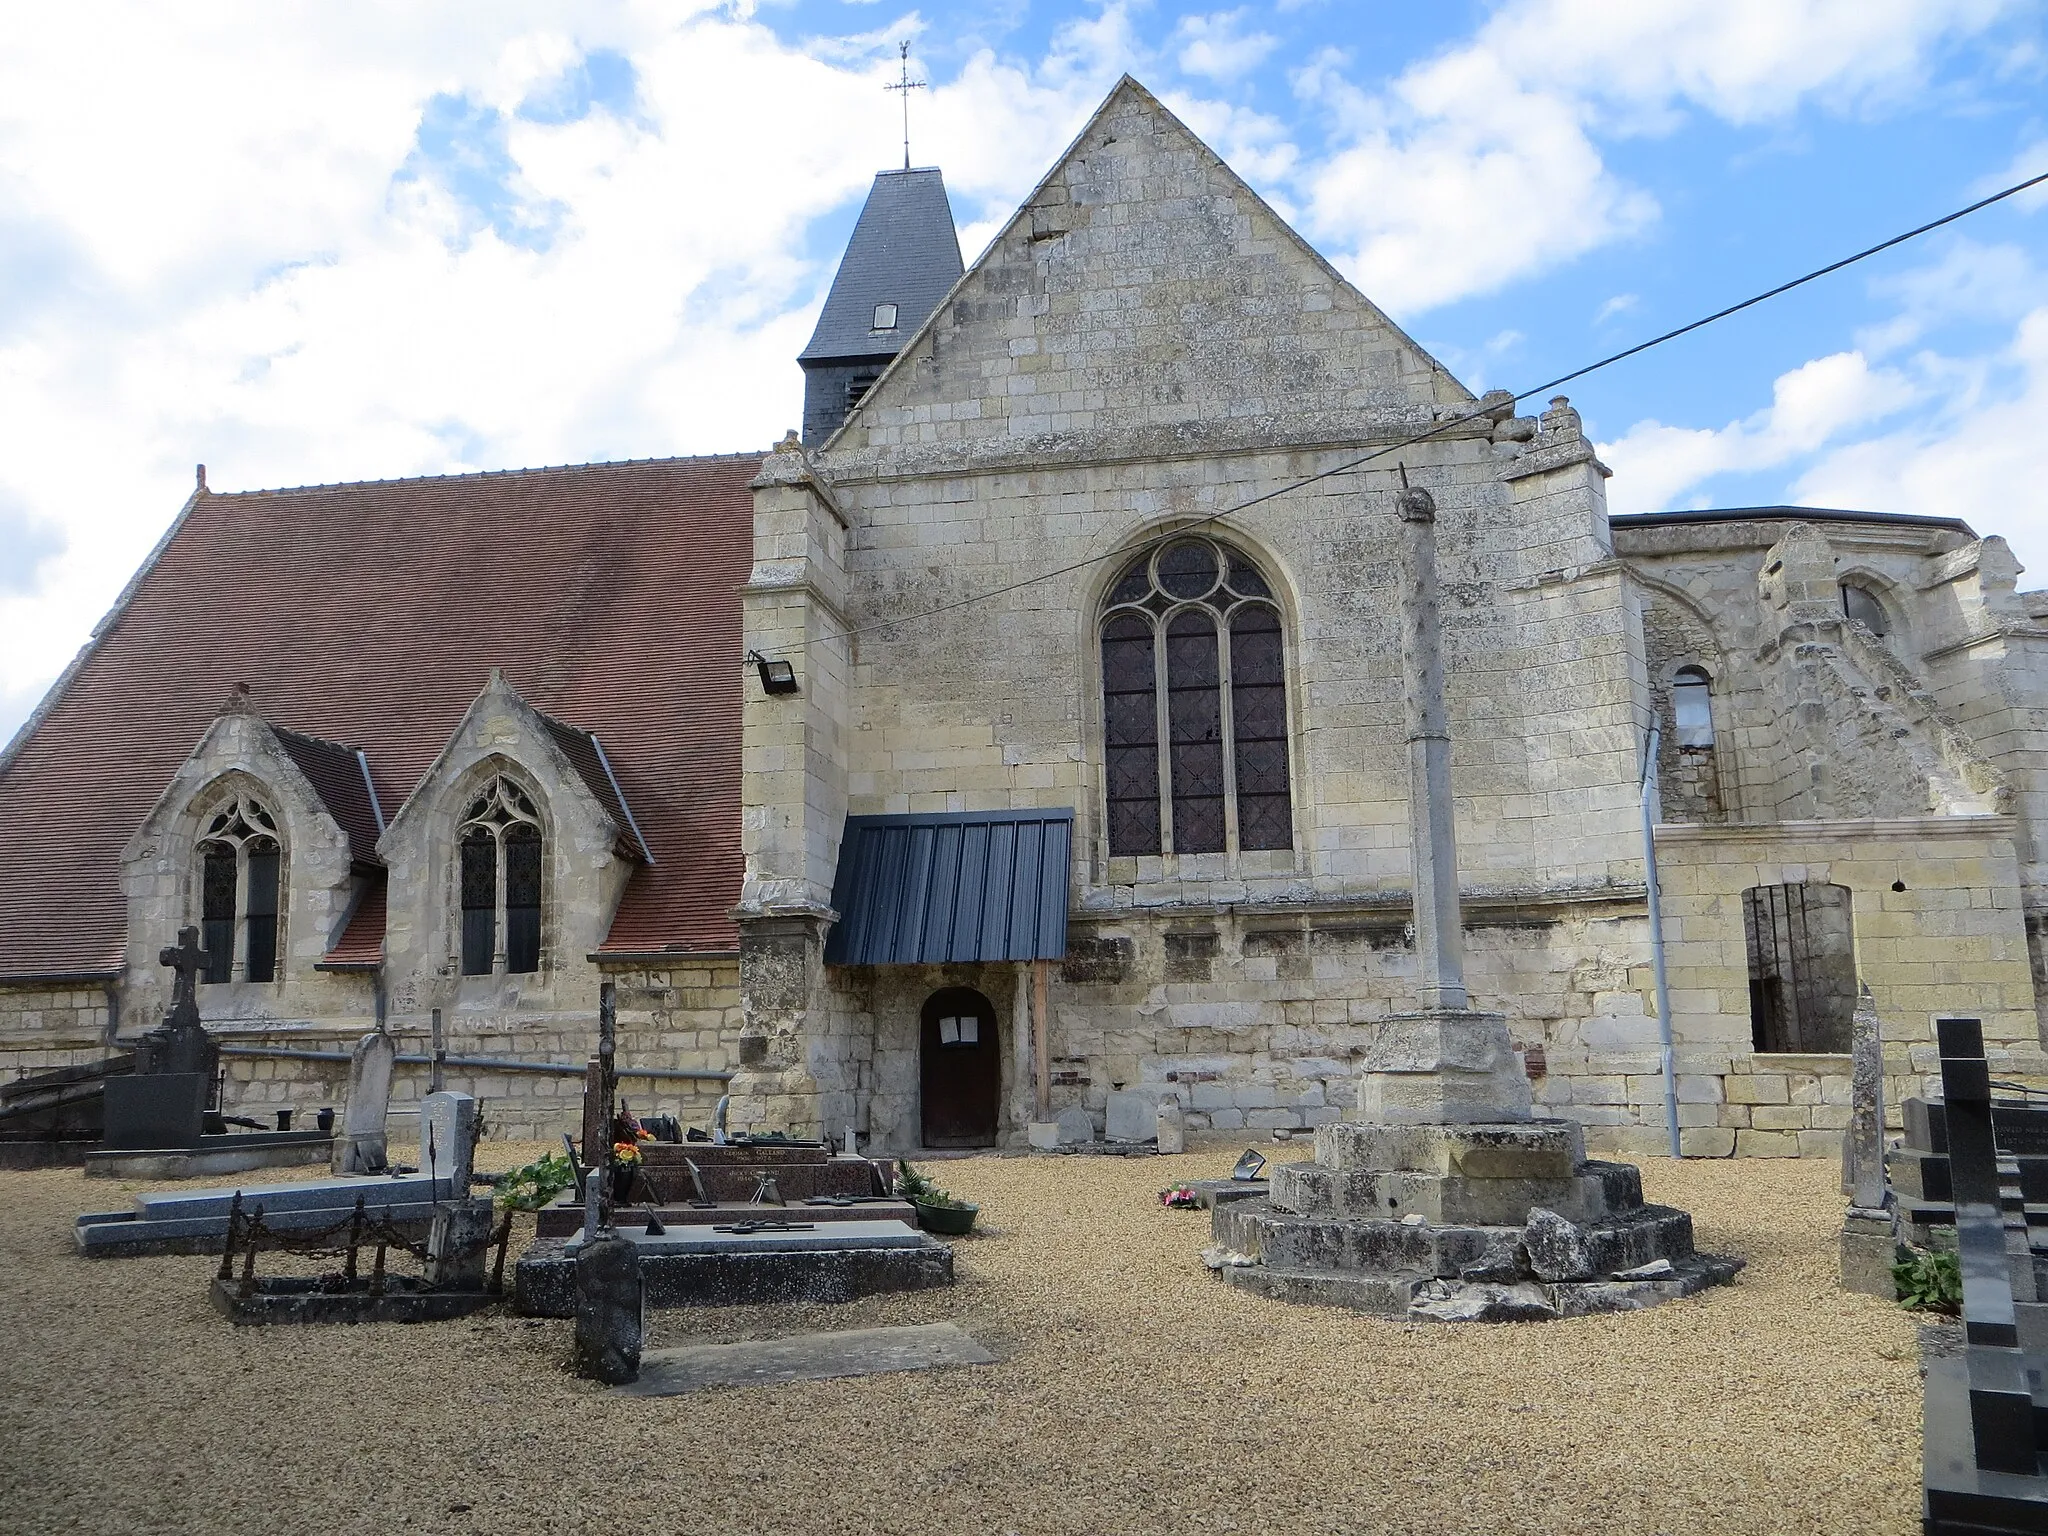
1930, 1281
919, 1190
531, 1187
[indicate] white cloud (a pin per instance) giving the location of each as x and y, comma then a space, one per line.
1981, 455
1478, 167
1621, 303
1656, 465
301, 246
1218, 47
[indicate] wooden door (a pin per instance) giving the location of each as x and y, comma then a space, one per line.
960, 1069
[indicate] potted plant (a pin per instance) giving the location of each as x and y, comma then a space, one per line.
936, 1210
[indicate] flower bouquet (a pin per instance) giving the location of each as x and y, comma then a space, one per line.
1178, 1197
626, 1162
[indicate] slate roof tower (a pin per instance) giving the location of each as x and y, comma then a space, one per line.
902, 259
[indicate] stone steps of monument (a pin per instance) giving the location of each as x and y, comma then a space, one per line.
1308, 1242
1290, 1241
1597, 1191
1388, 1295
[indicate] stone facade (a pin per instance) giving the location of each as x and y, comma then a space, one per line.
1147, 348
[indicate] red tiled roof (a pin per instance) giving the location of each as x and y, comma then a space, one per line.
372, 614
361, 945
338, 776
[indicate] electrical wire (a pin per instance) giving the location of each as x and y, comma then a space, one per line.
1181, 530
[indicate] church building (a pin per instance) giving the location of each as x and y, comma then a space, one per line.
1029, 728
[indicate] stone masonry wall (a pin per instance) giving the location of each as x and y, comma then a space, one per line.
51, 1025
680, 1016
1936, 908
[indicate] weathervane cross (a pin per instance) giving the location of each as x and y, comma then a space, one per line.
905, 85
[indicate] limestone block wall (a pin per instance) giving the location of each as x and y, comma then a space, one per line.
684, 1015
1939, 929
52, 1024
1254, 1020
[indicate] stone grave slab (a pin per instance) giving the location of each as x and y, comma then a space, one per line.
695, 1267
1133, 1115
806, 1357
196, 1221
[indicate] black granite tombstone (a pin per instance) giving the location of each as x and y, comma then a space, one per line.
1983, 1410
162, 1105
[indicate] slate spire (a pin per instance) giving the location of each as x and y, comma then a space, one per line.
902, 259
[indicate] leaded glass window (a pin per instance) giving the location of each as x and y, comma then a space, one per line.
1193, 657
240, 892
500, 877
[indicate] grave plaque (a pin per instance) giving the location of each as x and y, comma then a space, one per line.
165, 1111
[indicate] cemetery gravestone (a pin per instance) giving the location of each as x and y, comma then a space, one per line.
1075, 1126
1171, 1128
611, 1310
1132, 1116
362, 1147
162, 1105
448, 1137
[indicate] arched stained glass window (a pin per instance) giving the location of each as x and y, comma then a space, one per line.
240, 903
1193, 658
500, 879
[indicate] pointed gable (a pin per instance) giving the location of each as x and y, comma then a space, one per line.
1144, 291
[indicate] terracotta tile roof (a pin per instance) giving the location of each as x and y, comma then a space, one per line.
361, 945
587, 756
341, 778
372, 614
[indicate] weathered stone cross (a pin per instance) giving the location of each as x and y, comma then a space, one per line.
188, 958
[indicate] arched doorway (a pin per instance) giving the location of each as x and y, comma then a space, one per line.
960, 1070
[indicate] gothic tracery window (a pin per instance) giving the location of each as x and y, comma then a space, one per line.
500, 879
239, 860
1193, 660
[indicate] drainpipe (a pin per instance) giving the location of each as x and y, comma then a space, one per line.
1656, 906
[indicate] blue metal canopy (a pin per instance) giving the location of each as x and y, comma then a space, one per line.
952, 886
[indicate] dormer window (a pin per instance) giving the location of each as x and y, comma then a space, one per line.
885, 317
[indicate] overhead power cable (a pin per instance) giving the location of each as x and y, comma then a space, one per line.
1440, 428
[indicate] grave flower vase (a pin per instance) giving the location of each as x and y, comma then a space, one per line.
947, 1220
622, 1183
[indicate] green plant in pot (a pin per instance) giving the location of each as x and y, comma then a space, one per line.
936, 1210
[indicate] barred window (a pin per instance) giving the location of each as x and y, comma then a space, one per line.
500, 881
239, 897
1193, 658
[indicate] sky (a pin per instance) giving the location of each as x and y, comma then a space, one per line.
303, 243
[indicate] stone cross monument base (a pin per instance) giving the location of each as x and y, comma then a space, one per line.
1446, 1199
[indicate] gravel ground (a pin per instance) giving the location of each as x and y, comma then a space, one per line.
1135, 1393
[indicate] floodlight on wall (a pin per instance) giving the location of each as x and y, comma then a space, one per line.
776, 676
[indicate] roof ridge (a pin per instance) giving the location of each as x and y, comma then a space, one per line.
489, 474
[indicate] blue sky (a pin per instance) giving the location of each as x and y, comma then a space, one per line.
301, 245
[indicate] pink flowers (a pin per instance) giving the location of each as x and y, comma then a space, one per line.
1178, 1197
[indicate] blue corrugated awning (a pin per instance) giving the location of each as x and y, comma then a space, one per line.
952, 886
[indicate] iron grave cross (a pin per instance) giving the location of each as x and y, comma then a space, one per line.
188, 959
906, 85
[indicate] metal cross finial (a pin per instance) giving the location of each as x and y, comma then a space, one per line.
906, 85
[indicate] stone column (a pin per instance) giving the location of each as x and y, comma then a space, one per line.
1443, 1064
1432, 827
